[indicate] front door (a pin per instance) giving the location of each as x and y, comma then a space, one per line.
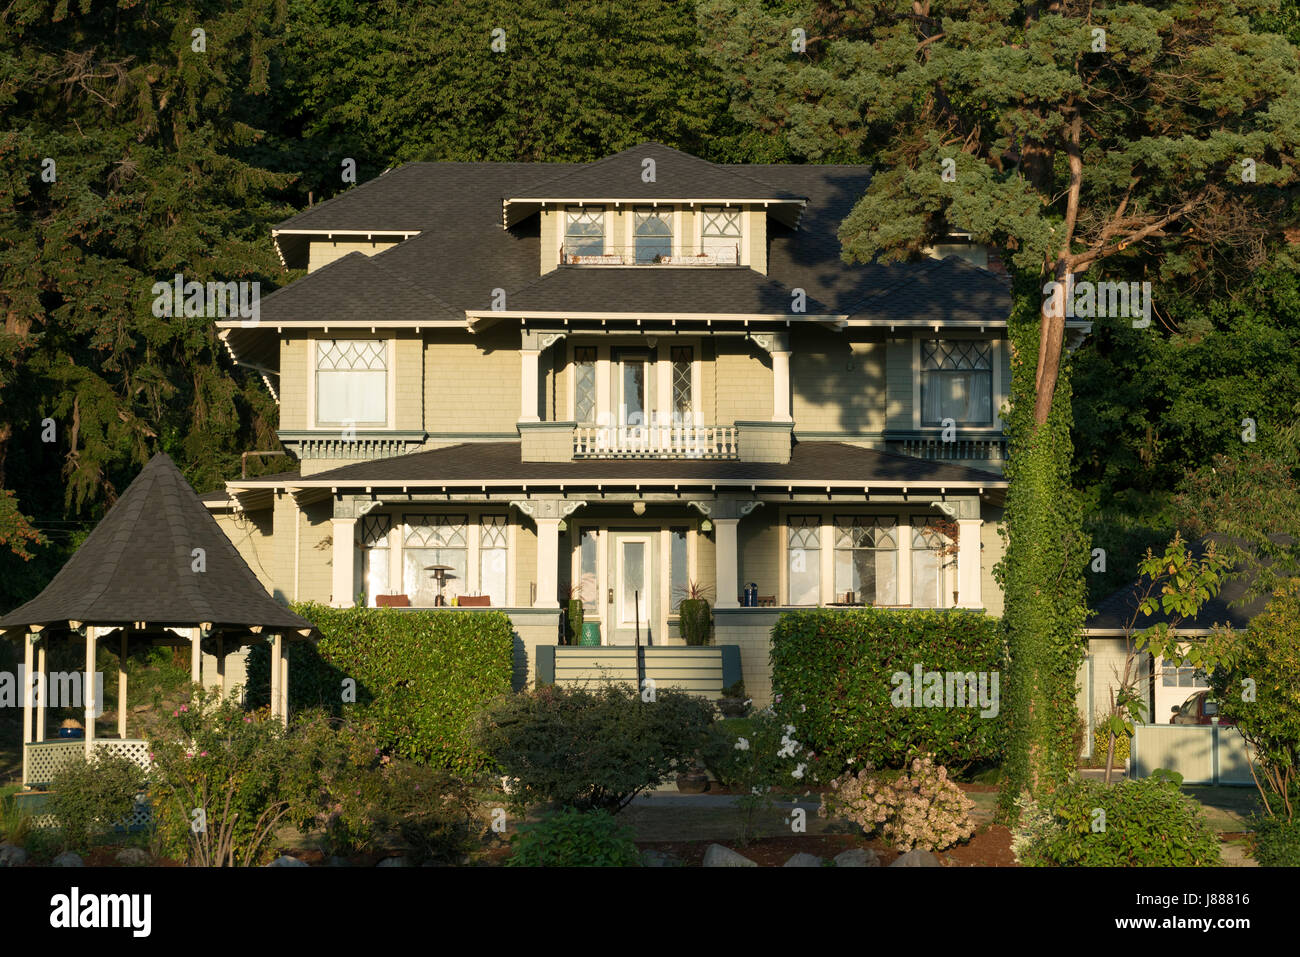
632, 580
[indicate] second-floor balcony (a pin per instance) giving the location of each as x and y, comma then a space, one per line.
656, 441
659, 252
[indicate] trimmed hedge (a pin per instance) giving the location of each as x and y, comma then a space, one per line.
421, 676
832, 672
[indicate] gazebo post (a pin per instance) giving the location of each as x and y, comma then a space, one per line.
196, 655
275, 675
121, 688
29, 641
284, 688
42, 686
88, 689
221, 666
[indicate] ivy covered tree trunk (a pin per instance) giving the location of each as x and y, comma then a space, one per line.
1041, 574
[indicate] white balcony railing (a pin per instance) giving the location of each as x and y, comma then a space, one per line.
656, 441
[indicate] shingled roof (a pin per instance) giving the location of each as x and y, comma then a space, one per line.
502, 463
137, 565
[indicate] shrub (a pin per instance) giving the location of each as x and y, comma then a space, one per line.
921, 808
574, 838
90, 797
1144, 823
1268, 656
224, 779
754, 755
421, 676
833, 671
591, 748
1277, 842
15, 821
1101, 741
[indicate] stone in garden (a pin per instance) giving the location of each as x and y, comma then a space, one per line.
284, 860
719, 856
68, 859
393, 862
11, 855
917, 858
857, 857
653, 858
803, 860
132, 857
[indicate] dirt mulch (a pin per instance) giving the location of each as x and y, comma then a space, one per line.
990, 847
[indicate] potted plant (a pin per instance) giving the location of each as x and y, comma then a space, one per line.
574, 630
694, 615
733, 703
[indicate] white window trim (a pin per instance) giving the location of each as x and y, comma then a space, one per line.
997, 387
391, 383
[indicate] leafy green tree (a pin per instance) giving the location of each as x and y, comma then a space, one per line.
125, 145
1153, 139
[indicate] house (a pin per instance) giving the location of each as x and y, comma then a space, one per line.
1164, 684
617, 379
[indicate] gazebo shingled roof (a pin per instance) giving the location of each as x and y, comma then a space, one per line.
137, 565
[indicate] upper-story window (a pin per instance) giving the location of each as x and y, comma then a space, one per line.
584, 231
956, 381
352, 382
720, 234
652, 231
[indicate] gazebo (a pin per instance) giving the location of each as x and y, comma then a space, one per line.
157, 569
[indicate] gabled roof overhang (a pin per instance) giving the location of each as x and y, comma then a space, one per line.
291, 245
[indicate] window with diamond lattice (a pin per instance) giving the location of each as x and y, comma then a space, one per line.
584, 231
492, 553
720, 234
352, 382
653, 232
584, 384
956, 381
803, 559
434, 540
866, 560
683, 359
371, 577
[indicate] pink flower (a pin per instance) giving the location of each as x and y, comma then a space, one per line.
176, 714
185, 707
204, 754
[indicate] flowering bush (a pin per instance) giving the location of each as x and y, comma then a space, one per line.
754, 755
921, 808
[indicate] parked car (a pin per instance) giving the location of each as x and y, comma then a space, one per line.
1198, 709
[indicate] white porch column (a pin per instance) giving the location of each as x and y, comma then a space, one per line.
88, 689
548, 563
43, 682
276, 669
121, 688
968, 563
345, 535
528, 411
728, 566
781, 386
